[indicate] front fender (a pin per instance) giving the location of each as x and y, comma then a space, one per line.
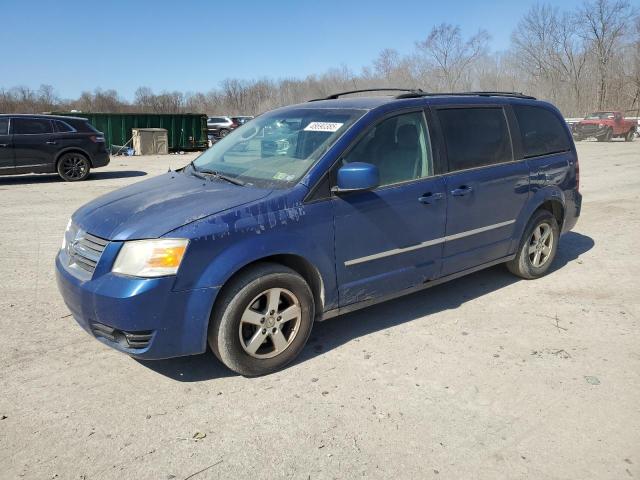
237, 256
224, 244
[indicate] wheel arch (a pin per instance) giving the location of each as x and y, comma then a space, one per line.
549, 198
555, 207
297, 263
73, 150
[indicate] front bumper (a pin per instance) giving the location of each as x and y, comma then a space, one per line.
589, 131
144, 318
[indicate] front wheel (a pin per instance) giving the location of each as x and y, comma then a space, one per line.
73, 167
262, 320
223, 133
606, 137
630, 136
538, 246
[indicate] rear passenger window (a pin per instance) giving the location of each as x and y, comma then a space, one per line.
542, 132
63, 126
475, 137
31, 126
398, 146
4, 126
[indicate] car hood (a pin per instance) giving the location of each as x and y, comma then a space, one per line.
154, 207
594, 122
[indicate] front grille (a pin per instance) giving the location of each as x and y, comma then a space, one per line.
587, 129
84, 250
133, 340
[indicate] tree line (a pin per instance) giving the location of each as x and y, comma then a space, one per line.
582, 60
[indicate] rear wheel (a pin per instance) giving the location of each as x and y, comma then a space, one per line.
223, 133
630, 136
538, 246
73, 167
262, 320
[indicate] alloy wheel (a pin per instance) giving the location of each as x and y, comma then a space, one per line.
74, 167
270, 323
540, 245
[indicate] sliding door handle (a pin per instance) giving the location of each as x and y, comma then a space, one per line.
462, 191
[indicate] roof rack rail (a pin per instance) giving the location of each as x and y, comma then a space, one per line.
334, 96
417, 94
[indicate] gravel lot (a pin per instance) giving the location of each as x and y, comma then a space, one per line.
484, 377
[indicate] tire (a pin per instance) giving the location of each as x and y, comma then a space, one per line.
630, 136
606, 137
73, 167
525, 264
245, 331
223, 132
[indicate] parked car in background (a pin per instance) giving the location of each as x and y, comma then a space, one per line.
70, 146
372, 198
219, 127
241, 120
604, 126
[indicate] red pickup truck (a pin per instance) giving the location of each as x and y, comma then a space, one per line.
604, 126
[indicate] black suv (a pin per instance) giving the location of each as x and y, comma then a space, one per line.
70, 146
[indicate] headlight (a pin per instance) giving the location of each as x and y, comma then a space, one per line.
64, 237
150, 258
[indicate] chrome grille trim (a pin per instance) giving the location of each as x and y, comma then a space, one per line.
83, 251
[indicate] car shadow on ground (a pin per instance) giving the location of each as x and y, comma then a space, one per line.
54, 178
335, 332
195, 368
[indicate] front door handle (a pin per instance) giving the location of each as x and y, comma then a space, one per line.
430, 198
51, 142
3, 145
462, 191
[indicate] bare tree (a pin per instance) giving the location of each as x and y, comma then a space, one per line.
534, 41
634, 67
450, 55
570, 54
582, 59
606, 23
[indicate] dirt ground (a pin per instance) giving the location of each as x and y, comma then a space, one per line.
485, 377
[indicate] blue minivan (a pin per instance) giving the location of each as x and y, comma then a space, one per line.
313, 210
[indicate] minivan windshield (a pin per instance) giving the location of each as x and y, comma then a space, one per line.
277, 148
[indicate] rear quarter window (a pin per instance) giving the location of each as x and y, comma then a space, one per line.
542, 131
475, 137
63, 126
4, 126
81, 125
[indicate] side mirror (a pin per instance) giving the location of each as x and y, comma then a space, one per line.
357, 176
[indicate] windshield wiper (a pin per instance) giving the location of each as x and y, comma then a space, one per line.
195, 172
222, 176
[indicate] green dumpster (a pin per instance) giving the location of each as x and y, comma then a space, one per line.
186, 131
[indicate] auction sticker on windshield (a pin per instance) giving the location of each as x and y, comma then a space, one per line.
323, 127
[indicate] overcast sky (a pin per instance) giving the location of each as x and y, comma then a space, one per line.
193, 45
